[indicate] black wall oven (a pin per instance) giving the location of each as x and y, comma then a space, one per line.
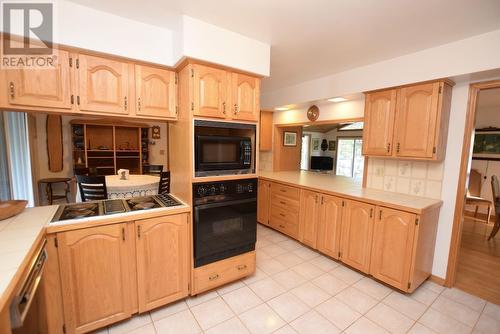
225, 219
224, 148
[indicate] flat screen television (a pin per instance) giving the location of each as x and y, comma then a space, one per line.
321, 163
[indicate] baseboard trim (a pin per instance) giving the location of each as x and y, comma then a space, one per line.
437, 280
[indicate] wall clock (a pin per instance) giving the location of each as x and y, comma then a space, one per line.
313, 113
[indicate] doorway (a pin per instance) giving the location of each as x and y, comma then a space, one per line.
474, 264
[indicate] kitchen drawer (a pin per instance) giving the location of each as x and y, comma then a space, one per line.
284, 214
284, 226
221, 272
284, 203
286, 191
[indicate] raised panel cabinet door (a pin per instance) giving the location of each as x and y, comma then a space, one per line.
103, 85
391, 257
380, 109
308, 217
263, 202
95, 276
210, 92
329, 226
416, 120
155, 92
46, 87
357, 232
245, 97
162, 260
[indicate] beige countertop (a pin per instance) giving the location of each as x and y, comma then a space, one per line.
346, 187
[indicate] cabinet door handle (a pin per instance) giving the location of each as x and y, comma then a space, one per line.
282, 202
371, 213
242, 267
322, 198
380, 215
316, 198
398, 147
282, 215
388, 147
123, 233
224, 107
235, 108
139, 104
139, 231
213, 277
125, 103
12, 90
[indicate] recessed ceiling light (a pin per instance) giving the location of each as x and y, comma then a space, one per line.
281, 108
337, 99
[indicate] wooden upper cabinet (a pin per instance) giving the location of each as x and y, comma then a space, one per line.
264, 202
357, 232
50, 88
416, 120
329, 226
103, 85
309, 216
210, 92
245, 97
162, 260
380, 108
393, 240
155, 91
95, 276
266, 131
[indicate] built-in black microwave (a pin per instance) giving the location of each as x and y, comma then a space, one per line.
223, 151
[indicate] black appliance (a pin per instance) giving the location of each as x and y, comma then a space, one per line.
225, 219
223, 148
321, 163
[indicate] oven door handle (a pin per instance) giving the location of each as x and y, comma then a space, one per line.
219, 204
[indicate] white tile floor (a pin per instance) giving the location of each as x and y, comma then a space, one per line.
297, 290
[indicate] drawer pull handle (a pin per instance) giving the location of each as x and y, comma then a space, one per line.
282, 215
282, 226
242, 266
283, 202
213, 277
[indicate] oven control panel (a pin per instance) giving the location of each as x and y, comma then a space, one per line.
231, 188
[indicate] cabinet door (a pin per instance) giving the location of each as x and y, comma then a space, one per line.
50, 88
245, 97
309, 216
162, 260
103, 85
266, 131
416, 120
357, 232
329, 226
380, 108
263, 202
155, 92
95, 275
210, 92
393, 235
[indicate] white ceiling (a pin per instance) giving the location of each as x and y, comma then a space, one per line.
311, 39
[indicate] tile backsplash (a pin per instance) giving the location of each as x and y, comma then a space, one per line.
419, 178
266, 160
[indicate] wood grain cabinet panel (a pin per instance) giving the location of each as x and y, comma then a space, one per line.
416, 120
263, 202
309, 216
95, 276
266, 131
329, 226
380, 109
155, 91
210, 92
103, 85
357, 233
162, 248
245, 97
393, 237
50, 88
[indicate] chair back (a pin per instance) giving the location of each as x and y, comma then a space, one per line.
475, 180
92, 187
495, 191
152, 170
164, 186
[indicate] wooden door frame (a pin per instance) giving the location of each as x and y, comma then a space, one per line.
456, 234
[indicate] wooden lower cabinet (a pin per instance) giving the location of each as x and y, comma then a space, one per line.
357, 232
95, 276
263, 202
329, 226
162, 251
309, 216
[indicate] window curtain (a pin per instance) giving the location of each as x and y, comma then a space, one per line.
21, 182
4, 166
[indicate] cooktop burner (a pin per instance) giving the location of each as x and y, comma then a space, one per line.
80, 210
142, 203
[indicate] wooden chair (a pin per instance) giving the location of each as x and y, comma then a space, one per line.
474, 193
92, 187
495, 191
155, 170
164, 186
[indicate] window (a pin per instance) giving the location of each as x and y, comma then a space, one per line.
352, 126
350, 161
305, 152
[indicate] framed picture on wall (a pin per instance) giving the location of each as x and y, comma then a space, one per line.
486, 144
289, 138
331, 145
315, 144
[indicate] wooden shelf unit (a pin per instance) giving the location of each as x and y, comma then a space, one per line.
109, 146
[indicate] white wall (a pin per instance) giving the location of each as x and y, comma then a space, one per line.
328, 111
